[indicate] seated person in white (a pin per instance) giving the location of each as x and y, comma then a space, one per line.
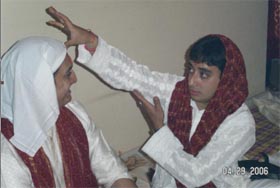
202, 125
47, 140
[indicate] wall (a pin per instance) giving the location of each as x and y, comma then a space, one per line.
153, 32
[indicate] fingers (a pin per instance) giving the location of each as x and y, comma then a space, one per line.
141, 99
75, 34
138, 95
59, 17
55, 24
157, 103
154, 111
54, 14
146, 103
67, 44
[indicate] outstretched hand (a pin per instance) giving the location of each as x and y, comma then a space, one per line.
75, 35
154, 111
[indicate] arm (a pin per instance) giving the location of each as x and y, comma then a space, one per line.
113, 66
121, 72
232, 139
109, 170
107, 166
14, 172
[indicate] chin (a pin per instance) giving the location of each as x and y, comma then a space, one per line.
69, 100
195, 98
66, 101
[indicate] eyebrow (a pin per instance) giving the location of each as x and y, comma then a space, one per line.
201, 69
69, 68
204, 70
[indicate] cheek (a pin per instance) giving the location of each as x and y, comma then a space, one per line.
62, 89
212, 87
65, 89
59, 93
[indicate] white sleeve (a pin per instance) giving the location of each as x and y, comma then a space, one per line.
119, 71
232, 139
105, 164
14, 173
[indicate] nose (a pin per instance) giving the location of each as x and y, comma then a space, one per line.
73, 78
193, 79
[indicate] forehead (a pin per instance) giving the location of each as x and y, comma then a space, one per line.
199, 64
67, 62
66, 65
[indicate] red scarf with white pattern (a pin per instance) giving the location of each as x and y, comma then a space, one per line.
229, 96
75, 154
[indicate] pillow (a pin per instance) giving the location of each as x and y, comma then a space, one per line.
269, 106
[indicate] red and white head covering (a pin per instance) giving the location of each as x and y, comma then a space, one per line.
28, 96
229, 96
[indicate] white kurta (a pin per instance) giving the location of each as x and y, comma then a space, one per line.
230, 142
106, 166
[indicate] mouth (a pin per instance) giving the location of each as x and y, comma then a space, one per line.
69, 93
194, 92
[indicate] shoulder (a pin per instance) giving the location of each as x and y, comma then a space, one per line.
7, 149
239, 126
76, 107
14, 173
79, 110
242, 118
243, 113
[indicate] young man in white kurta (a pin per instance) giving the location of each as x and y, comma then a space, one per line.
232, 139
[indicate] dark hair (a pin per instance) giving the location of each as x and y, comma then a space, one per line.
209, 50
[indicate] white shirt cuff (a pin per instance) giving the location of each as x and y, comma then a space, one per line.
100, 53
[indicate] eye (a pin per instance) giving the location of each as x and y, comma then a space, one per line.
68, 74
204, 75
189, 68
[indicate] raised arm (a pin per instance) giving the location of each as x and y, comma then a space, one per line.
112, 65
121, 72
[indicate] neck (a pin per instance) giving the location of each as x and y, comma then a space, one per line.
200, 105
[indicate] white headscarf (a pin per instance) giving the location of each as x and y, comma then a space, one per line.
29, 97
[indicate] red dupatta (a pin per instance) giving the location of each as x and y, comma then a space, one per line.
229, 96
75, 154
